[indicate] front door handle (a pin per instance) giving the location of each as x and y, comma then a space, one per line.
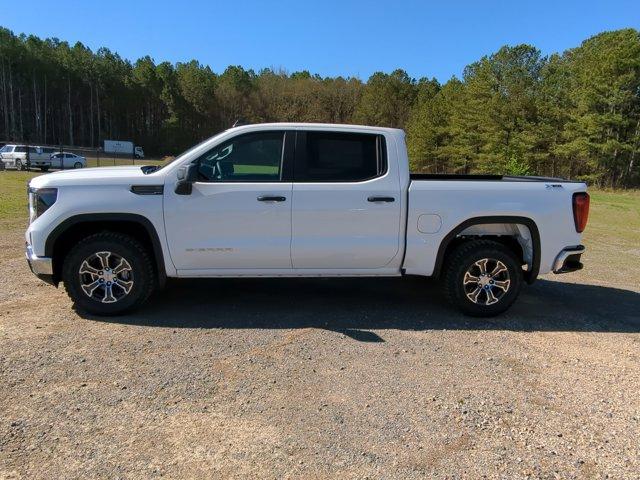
381, 199
266, 198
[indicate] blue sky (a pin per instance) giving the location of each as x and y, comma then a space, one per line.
349, 38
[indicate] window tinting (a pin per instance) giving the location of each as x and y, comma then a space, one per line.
20, 149
253, 157
341, 157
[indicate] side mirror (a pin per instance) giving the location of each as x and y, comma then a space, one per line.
187, 176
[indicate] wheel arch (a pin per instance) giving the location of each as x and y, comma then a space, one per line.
68, 232
452, 239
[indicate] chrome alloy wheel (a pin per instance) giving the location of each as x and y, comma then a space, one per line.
106, 277
486, 281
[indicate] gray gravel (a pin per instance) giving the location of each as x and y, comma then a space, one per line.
318, 379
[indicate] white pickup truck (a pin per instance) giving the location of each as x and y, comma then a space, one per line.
299, 200
23, 157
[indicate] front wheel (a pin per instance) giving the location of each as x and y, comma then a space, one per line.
483, 278
108, 273
44, 169
77, 165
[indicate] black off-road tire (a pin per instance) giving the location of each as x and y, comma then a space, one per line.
462, 259
121, 245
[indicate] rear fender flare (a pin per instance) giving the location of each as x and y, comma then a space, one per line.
530, 275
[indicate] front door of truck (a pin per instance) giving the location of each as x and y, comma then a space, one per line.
346, 202
238, 215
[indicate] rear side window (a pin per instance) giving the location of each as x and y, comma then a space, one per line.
340, 157
20, 149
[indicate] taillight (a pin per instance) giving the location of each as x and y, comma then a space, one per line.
580, 210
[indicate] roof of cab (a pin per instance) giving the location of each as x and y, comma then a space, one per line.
319, 126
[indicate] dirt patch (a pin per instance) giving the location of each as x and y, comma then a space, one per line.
321, 379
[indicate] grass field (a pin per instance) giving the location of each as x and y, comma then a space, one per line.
13, 197
113, 162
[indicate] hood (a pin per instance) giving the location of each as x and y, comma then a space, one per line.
93, 176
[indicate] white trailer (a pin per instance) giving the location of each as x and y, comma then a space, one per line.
123, 147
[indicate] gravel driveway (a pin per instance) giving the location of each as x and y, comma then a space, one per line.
320, 379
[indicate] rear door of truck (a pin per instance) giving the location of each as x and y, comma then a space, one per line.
346, 201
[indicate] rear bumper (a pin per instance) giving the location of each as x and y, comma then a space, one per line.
568, 260
42, 267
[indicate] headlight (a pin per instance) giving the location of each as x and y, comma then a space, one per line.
40, 199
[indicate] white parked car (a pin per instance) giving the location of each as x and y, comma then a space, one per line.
299, 200
67, 160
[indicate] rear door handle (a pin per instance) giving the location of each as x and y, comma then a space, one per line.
266, 198
381, 199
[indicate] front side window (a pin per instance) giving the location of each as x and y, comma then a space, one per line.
341, 157
252, 157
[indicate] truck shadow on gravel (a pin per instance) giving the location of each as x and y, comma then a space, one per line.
357, 306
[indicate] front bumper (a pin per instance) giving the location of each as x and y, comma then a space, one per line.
42, 267
568, 260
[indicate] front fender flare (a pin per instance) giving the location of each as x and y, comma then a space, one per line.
112, 217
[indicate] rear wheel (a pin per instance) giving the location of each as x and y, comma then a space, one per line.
19, 165
108, 274
483, 278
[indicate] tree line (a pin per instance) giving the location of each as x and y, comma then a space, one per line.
574, 114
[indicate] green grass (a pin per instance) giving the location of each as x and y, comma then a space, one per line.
13, 197
261, 169
112, 162
614, 213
